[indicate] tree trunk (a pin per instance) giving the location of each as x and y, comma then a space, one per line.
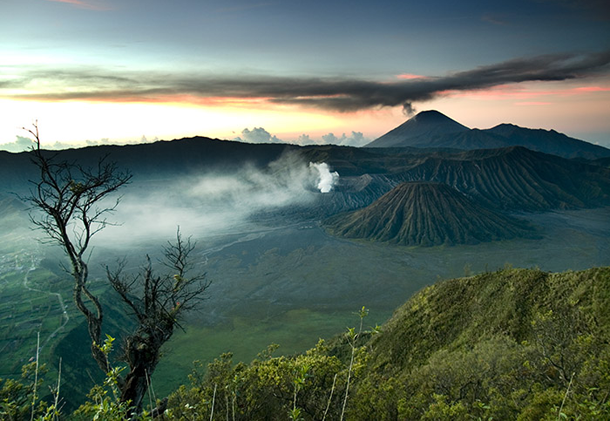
142, 352
136, 386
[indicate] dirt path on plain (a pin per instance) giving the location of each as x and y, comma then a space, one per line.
62, 305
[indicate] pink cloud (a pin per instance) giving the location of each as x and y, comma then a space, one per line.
92, 5
516, 92
592, 89
497, 92
410, 76
533, 103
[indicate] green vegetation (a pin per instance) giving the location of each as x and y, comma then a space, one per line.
506, 345
26, 312
18, 396
295, 331
514, 344
511, 344
518, 344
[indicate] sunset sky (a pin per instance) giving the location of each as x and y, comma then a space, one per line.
122, 71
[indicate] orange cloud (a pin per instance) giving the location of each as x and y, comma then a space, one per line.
410, 76
184, 100
592, 89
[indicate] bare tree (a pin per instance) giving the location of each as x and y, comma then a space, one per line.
157, 302
73, 204
69, 197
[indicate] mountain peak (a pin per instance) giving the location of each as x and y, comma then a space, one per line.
426, 124
432, 116
426, 214
432, 129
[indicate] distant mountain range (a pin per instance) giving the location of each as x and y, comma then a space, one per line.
427, 214
479, 185
150, 161
432, 129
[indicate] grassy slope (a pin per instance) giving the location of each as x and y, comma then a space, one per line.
463, 311
513, 344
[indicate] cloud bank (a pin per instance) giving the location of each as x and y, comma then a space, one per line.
261, 135
20, 144
332, 94
257, 135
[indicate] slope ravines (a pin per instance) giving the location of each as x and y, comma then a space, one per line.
427, 214
517, 179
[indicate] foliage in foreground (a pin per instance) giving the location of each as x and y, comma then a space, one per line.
313, 385
515, 344
17, 396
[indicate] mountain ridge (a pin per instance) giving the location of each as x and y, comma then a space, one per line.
517, 178
444, 132
512, 178
505, 345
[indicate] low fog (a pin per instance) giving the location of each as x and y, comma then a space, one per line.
214, 204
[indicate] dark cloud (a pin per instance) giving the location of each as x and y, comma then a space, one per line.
408, 109
595, 9
336, 94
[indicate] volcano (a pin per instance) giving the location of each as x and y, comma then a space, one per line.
419, 130
427, 214
432, 129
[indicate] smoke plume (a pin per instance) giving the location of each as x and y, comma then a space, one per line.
326, 179
334, 94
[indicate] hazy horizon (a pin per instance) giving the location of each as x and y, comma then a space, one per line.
257, 135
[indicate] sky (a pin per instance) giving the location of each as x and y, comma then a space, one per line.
345, 72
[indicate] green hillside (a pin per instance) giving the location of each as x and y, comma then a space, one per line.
513, 344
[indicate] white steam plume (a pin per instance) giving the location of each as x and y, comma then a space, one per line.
326, 179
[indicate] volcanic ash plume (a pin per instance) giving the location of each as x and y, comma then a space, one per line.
326, 179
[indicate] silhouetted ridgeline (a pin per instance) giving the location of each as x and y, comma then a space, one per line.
152, 160
431, 129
